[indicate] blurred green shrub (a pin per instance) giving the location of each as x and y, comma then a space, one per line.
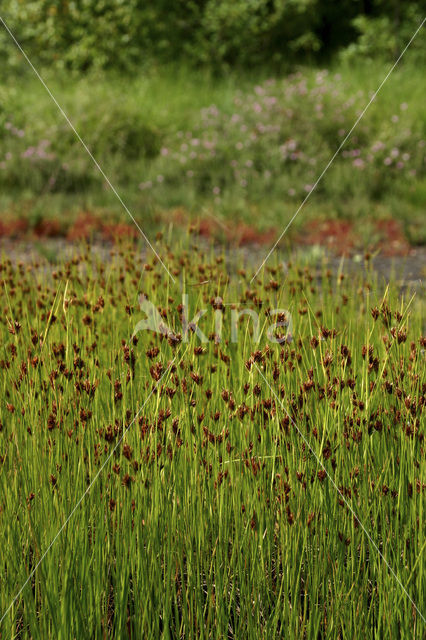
77, 34
39, 152
384, 35
257, 31
128, 34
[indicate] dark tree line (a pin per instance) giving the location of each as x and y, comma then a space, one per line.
125, 34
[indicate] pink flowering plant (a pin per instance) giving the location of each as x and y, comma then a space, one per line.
241, 150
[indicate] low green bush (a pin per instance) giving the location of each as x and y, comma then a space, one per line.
241, 147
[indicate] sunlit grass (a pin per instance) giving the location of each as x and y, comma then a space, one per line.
213, 517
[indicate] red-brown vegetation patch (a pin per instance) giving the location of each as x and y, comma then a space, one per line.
208, 228
236, 233
341, 237
392, 240
114, 232
242, 235
84, 226
337, 235
13, 228
48, 229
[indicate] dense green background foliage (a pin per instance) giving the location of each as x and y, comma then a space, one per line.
130, 33
241, 146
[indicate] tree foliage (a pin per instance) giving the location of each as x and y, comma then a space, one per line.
124, 34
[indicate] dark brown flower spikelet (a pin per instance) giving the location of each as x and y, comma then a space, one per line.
326, 452
375, 313
51, 422
290, 516
321, 474
327, 359
174, 339
152, 353
402, 336
14, 328
325, 333
224, 357
196, 378
127, 480
127, 451
156, 371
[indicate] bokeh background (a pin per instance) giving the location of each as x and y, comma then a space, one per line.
221, 113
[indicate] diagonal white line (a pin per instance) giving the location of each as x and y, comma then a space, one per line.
97, 165
84, 495
343, 498
340, 146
